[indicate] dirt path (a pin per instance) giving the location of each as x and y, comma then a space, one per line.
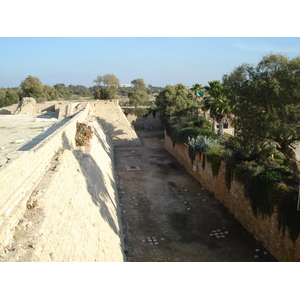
168, 216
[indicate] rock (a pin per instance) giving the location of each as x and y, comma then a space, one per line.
26, 106
54, 256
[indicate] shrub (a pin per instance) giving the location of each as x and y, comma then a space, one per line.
229, 174
201, 143
263, 190
84, 134
214, 155
181, 135
201, 123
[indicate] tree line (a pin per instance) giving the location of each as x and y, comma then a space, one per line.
33, 87
107, 87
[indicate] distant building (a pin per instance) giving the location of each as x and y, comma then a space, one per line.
125, 85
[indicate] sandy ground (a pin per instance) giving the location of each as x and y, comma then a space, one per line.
168, 216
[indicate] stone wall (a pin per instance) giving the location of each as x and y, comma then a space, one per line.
79, 203
264, 229
20, 176
114, 123
148, 123
82, 214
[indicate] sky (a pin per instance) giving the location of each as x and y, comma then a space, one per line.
160, 41
158, 60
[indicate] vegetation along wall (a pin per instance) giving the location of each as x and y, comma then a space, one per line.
264, 228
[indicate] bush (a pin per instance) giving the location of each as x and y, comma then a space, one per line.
201, 123
84, 134
197, 144
263, 190
214, 154
181, 135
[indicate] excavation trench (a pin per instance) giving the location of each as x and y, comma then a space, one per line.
168, 216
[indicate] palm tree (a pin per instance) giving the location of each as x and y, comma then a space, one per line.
198, 89
218, 104
206, 105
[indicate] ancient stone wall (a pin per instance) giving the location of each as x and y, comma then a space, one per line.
79, 204
19, 176
26, 106
114, 123
148, 123
264, 229
81, 211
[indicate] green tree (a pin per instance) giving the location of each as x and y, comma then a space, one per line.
32, 87
97, 91
267, 105
137, 98
2, 97
64, 92
150, 89
139, 95
49, 92
108, 86
123, 91
139, 85
11, 97
98, 80
173, 100
80, 90
217, 103
111, 81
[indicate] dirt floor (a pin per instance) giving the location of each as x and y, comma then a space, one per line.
168, 216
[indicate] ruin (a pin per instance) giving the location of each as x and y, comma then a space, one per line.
26, 106
36, 172
59, 202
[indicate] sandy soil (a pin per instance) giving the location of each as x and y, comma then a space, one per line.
168, 216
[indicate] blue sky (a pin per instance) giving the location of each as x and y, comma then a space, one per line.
158, 60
